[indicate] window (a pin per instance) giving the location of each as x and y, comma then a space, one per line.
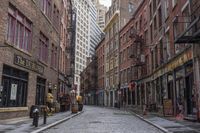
46, 7
156, 56
56, 17
150, 10
166, 8
19, 29
160, 17
151, 33
130, 7
154, 5
155, 24
43, 48
161, 52
168, 45
54, 56
174, 2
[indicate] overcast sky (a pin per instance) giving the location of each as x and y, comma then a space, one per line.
105, 2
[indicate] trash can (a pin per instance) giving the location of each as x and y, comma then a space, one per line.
115, 105
74, 108
33, 107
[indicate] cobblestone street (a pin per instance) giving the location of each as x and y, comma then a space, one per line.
103, 120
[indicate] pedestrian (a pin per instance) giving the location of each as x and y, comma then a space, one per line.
124, 101
50, 101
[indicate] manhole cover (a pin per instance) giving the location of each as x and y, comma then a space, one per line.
173, 127
95, 122
121, 114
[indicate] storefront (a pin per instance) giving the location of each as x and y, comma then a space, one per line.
14, 87
174, 86
190, 94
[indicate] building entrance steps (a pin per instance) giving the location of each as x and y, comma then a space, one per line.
167, 124
24, 124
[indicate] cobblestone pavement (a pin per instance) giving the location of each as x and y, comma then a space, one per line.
104, 120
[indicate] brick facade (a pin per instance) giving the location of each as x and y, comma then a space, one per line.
100, 53
89, 83
40, 23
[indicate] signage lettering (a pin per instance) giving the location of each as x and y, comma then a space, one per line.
23, 62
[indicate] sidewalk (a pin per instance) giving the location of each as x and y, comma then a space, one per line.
168, 124
24, 125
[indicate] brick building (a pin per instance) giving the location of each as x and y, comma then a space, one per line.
187, 31
66, 51
89, 82
162, 74
29, 50
132, 56
116, 17
100, 53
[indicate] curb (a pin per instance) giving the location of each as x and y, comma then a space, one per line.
57, 122
151, 123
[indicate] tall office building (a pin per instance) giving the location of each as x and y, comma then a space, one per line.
101, 13
95, 31
87, 36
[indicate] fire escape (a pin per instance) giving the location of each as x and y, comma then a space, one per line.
137, 54
187, 27
70, 49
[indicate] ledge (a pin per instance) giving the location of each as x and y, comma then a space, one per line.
13, 109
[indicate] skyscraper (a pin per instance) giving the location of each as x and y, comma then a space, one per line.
101, 13
87, 36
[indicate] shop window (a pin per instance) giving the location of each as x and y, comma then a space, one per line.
14, 91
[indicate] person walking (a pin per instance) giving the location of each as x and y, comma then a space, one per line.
50, 102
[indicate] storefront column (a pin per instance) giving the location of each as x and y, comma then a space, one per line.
174, 92
197, 84
131, 97
136, 89
145, 94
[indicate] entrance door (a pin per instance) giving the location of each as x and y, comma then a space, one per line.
40, 91
170, 90
190, 99
170, 94
111, 98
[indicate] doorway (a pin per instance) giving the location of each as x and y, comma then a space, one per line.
190, 97
40, 91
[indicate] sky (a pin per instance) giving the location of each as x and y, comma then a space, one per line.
105, 2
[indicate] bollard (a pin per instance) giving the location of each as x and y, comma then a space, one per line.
45, 116
35, 117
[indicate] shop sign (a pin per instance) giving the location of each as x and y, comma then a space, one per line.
23, 62
185, 57
168, 107
13, 92
179, 61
